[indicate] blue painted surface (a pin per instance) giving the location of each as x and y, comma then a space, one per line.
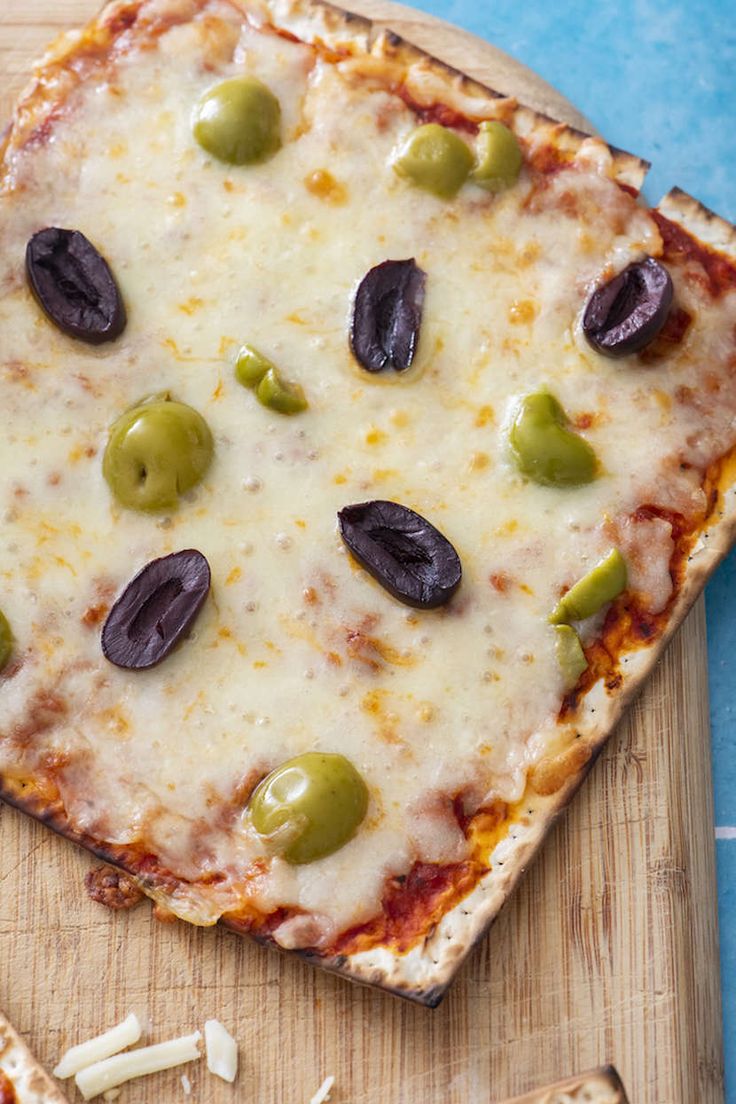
658, 79
726, 914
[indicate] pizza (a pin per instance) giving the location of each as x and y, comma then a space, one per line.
22, 1079
601, 1086
367, 438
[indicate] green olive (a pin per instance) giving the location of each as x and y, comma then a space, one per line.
544, 449
436, 159
239, 121
499, 157
601, 585
6, 640
281, 395
570, 655
310, 806
156, 451
251, 366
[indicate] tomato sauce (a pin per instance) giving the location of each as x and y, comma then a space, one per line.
7, 1092
412, 905
628, 625
437, 113
720, 272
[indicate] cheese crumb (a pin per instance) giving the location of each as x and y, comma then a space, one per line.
323, 1092
222, 1051
186, 1084
101, 1046
112, 1072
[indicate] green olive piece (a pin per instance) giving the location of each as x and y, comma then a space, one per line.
239, 121
544, 449
6, 640
251, 366
436, 159
310, 806
601, 585
156, 452
281, 395
570, 655
499, 157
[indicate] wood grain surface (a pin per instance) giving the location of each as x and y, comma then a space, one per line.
607, 953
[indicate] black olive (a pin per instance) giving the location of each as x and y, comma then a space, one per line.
156, 609
626, 314
403, 551
387, 315
74, 285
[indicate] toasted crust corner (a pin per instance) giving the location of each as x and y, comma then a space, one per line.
699, 221
433, 80
600, 1086
31, 1082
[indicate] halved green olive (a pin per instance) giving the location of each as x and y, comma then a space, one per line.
544, 449
239, 121
281, 395
499, 157
251, 366
601, 585
156, 451
310, 806
6, 640
436, 159
570, 655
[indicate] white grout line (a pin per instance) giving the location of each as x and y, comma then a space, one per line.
725, 833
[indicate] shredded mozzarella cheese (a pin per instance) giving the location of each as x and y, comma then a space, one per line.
323, 1092
222, 1051
115, 1071
100, 1047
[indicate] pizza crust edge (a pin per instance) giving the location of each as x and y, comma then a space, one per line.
391, 49
602, 1086
31, 1082
424, 973
699, 221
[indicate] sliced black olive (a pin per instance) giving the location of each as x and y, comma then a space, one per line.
156, 609
626, 314
403, 551
74, 285
387, 316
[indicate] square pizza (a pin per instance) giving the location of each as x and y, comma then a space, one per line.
366, 440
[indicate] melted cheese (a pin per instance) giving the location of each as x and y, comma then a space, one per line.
298, 649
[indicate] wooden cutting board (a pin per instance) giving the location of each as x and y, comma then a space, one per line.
608, 951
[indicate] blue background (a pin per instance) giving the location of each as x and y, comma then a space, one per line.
659, 80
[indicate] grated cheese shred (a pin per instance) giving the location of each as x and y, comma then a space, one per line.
100, 1047
115, 1071
323, 1092
222, 1051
